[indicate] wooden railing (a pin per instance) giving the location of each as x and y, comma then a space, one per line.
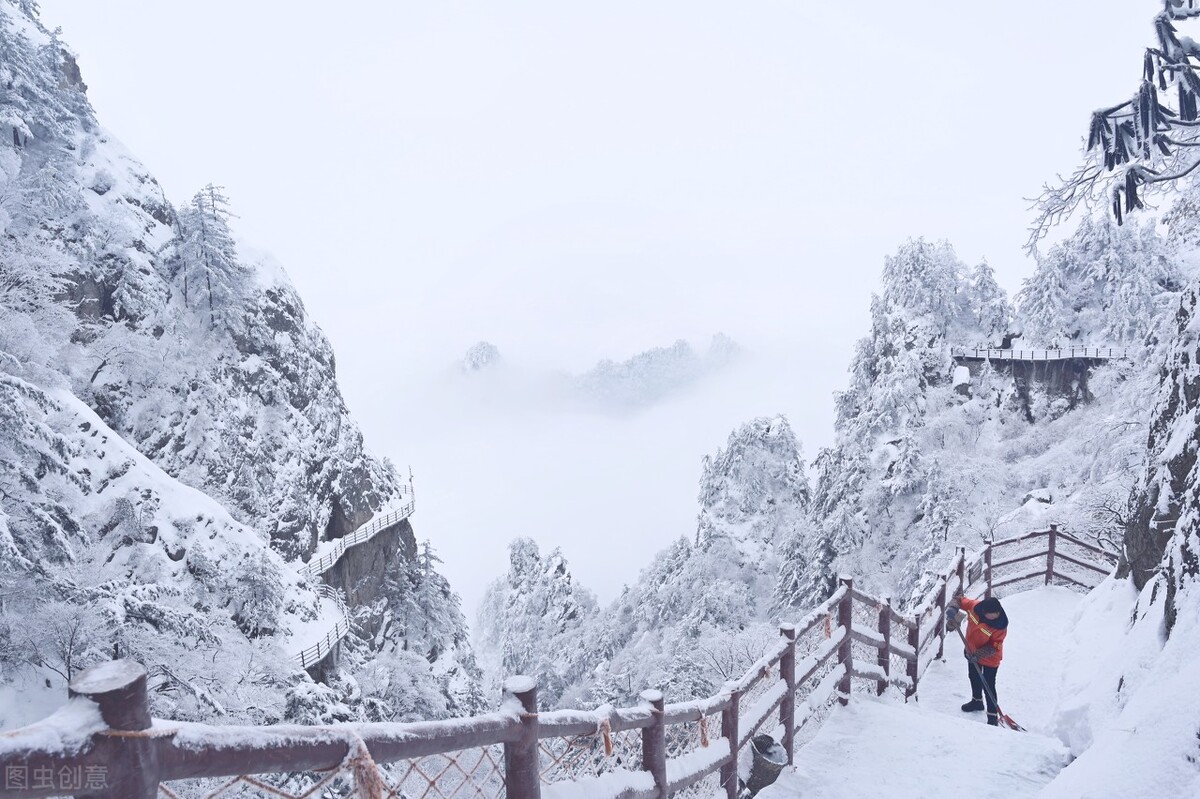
1057, 354
104, 745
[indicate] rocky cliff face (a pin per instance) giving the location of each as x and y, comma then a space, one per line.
1065, 380
1162, 534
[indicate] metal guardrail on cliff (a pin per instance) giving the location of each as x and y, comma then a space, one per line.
366, 532
1058, 354
312, 655
104, 744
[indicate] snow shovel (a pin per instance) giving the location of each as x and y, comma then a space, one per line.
1005, 719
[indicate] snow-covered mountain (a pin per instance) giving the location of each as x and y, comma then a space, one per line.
650, 376
174, 445
924, 462
616, 387
697, 615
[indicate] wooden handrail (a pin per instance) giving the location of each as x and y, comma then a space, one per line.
1074, 580
1070, 559
1091, 547
1018, 538
1022, 559
1019, 578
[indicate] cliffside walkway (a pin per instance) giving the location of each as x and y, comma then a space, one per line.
318, 641
1041, 356
826, 672
330, 552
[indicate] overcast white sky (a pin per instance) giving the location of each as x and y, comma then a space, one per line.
576, 181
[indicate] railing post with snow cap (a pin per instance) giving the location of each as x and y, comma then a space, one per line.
119, 689
962, 571
845, 649
787, 672
941, 622
729, 731
914, 643
654, 742
522, 771
885, 632
1050, 552
987, 571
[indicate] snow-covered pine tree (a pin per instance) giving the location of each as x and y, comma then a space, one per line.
989, 302
877, 466
1046, 311
210, 271
754, 489
531, 620
1102, 285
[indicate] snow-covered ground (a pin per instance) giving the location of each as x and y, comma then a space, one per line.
876, 748
1029, 679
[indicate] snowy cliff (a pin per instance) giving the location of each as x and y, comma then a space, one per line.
173, 431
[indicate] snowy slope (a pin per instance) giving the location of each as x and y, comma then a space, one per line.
151, 566
1129, 709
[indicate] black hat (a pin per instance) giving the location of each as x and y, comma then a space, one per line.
989, 605
992, 605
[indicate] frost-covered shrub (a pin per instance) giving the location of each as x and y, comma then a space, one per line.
314, 703
396, 687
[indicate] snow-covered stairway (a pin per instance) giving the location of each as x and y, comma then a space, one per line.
885, 748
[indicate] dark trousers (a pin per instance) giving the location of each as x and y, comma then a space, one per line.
977, 683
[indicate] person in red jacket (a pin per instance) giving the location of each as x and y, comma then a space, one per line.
987, 626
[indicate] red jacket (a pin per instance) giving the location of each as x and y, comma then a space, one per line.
979, 634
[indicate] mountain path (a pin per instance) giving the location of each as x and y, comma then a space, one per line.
929, 747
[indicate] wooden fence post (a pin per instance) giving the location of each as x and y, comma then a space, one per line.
941, 624
787, 671
522, 771
845, 649
962, 570
654, 742
1050, 553
914, 643
987, 570
729, 731
119, 688
885, 632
